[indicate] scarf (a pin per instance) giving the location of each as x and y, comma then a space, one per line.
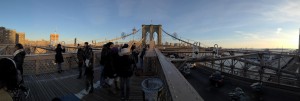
18, 51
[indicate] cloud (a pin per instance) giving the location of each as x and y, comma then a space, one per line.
248, 35
286, 12
278, 30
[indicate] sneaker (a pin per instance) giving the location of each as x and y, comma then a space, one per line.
27, 92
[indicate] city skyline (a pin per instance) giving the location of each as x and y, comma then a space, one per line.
231, 24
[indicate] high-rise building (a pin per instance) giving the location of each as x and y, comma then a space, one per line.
2, 37
20, 38
7, 36
54, 38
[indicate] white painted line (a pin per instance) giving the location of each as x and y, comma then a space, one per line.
83, 92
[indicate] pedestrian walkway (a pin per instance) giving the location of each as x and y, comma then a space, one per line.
45, 87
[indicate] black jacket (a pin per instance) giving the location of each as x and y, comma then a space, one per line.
109, 60
19, 59
80, 54
88, 53
58, 56
125, 69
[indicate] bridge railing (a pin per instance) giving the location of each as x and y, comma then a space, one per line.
45, 63
238, 66
282, 79
177, 87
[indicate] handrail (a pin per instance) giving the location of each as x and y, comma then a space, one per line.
179, 87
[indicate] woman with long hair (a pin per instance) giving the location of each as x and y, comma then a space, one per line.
59, 57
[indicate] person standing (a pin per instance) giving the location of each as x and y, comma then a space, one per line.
132, 47
125, 71
109, 72
89, 70
19, 56
102, 63
134, 54
80, 60
142, 56
59, 57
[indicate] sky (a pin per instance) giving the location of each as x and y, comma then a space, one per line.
228, 23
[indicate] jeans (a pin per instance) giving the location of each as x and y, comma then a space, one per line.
125, 87
102, 78
80, 64
89, 74
142, 62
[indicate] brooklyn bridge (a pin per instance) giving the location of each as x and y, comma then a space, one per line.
184, 69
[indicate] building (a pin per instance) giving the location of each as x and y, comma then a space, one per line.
54, 38
20, 38
7, 36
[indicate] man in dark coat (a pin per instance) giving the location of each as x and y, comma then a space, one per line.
88, 57
59, 57
109, 59
19, 56
80, 59
109, 69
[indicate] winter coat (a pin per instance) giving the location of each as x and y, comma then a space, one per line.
88, 53
58, 56
109, 60
125, 65
19, 56
80, 54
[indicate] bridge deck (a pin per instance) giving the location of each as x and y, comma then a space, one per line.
199, 80
65, 86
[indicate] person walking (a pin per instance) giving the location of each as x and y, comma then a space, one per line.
19, 56
80, 60
89, 70
59, 57
125, 71
102, 63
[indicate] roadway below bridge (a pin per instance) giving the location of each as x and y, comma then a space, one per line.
199, 80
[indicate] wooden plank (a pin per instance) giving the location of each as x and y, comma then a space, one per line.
47, 86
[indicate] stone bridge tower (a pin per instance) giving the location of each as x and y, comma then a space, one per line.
151, 29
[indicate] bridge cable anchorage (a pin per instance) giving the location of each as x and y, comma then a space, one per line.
179, 39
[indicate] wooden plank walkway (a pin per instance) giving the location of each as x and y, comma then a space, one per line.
45, 87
